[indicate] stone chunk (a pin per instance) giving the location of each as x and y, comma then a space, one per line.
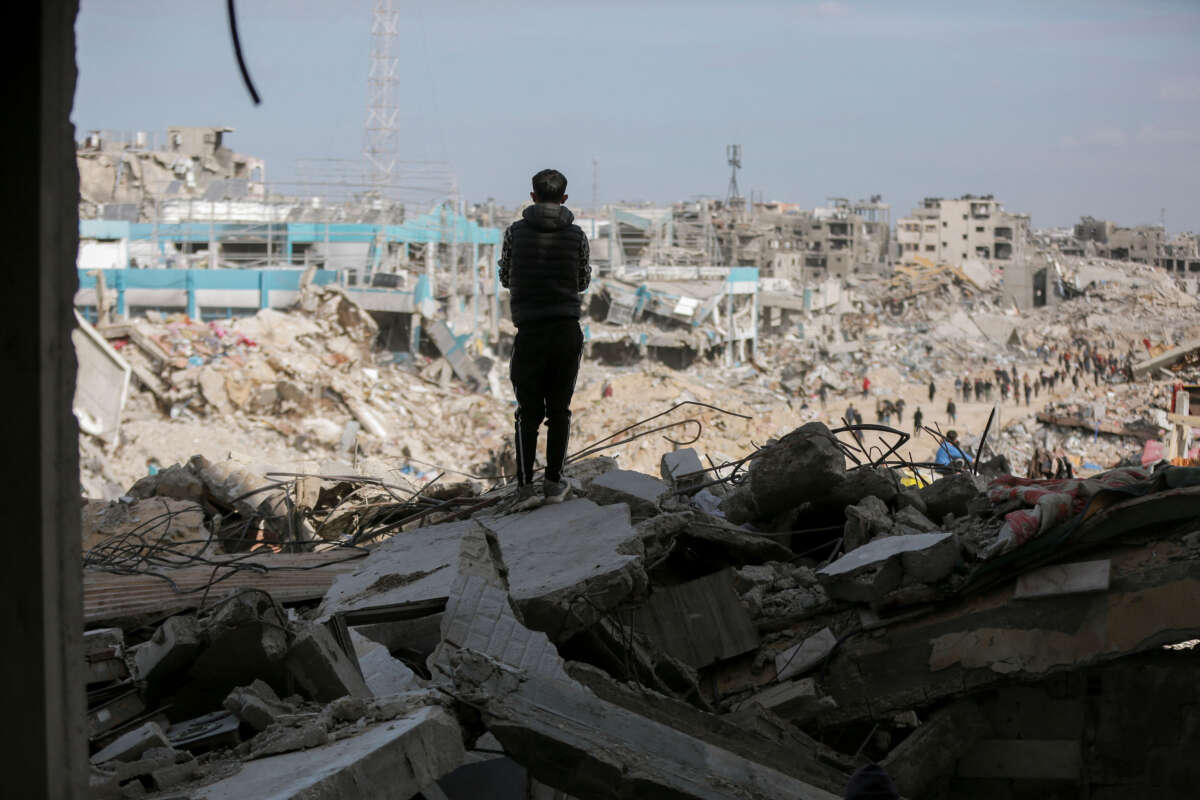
913, 519
257, 705
806, 655
864, 521
804, 465
867, 573
129, 746
860, 483
678, 463
638, 491
321, 668
174, 646
950, 495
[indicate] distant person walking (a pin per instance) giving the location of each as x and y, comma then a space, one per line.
931, 390
866, 386
952, 411
918, 418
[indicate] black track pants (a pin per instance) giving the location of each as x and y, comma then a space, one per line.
545, 363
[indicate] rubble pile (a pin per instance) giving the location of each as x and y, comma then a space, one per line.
758, 629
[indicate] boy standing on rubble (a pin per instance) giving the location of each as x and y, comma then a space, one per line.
544, 265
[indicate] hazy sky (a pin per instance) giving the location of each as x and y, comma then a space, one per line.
1059, 108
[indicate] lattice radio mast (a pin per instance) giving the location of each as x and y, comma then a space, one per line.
733, 155
380, 131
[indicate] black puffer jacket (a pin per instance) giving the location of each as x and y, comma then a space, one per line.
544, 264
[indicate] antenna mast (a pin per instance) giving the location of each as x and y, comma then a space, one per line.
733, 155
380, 131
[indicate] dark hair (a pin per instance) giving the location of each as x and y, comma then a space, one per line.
549, 185
952, 436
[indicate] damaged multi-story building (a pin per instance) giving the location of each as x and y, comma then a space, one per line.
1145, 244
955, 230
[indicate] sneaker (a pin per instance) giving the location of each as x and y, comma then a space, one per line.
526, 498
555, 491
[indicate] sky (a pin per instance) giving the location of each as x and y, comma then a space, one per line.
1059, 109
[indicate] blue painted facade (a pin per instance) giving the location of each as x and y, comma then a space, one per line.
433, 227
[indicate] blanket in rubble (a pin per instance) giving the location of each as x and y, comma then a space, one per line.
1044, 504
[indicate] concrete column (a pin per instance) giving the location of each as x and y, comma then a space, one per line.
729, 328
41, 676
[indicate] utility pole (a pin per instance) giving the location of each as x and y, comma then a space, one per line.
595, 169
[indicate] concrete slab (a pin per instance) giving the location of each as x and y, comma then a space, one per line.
637, 490
806, 655
568, 563
698, 622
866, 573
386, 760
568, 738
409, 567
1076, 578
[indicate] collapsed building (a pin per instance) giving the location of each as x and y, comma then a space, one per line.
753, 629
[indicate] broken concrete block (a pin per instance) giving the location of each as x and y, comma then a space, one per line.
913, 519
321, 668
257, 705
589, 469
389, 759
806, 655
728, 544
247, 639
797, 701
1076, 578
908, 496
174, 646
930, 752
176, 481
383, 674
860, 483
657, 534
804, 465
674, 466
129, 746
864, 521
931, 563
638, 491
568, 738
867, 573
699, 622
567, 563
420, 565
950, 495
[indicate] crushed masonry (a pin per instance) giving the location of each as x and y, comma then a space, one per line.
769, 599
